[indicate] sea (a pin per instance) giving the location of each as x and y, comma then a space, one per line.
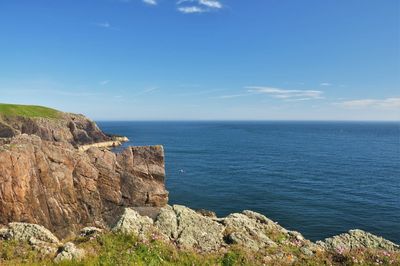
318, 178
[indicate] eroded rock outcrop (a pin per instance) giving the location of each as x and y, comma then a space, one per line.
27, 232
132, 222
190, 229
72, 128
39, 237
251, 230
55, 185
356, 239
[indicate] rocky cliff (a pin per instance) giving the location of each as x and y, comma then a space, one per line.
73, 128
63, 189
47, 179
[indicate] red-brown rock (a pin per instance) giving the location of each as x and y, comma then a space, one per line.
55, 185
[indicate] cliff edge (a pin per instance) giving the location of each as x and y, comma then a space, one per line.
49, 124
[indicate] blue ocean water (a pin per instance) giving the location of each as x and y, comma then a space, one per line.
319, 178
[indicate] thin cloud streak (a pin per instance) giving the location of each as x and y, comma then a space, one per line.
299, 95
287, 95
326, 84
388, 103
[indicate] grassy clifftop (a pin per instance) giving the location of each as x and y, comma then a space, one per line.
28, 111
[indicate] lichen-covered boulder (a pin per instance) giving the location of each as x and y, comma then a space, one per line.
167, 223
69, 252
131, 222
35, 235
190, 229
31, 232
356, 239
249, 231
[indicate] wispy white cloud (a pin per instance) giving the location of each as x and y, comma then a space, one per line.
191, 9
388, 103
104, 82
292, 95
150, 2
210, 3
198, 6
325, 84
105, 25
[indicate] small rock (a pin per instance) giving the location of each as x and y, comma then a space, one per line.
207, 213
69, 252
5, 233
90, 231
43, 247
306, 251
296, 235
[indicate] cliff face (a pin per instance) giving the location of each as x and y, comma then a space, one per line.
72, 128
46, 180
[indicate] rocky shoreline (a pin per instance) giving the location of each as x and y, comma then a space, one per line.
62, 193
185, 229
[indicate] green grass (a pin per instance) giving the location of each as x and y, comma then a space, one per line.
10, 110
119, 249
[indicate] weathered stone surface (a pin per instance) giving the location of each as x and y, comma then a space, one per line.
131, 222
355, 239
55, 185
69, 252
167, 222
73, 128
144, 170
249, 230
207, 213
43, 247
31, 232
190, 229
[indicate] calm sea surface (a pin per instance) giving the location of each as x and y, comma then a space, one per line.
319, 178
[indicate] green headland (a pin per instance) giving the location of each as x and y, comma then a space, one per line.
28, 111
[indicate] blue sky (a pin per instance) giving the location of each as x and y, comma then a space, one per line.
204, 59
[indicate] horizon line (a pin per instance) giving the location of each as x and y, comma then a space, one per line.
243, 120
